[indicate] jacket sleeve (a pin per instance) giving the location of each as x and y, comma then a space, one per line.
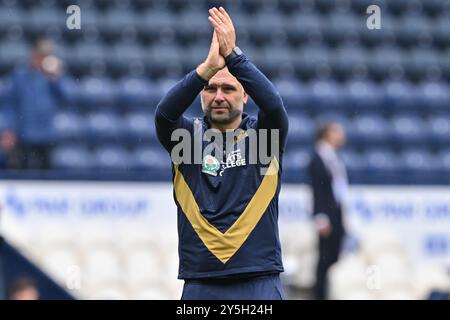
319, 181
272, 113
169, 112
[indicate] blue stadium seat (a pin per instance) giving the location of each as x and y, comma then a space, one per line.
68, 125
140, 126
103, 125
350, 62
361, 5
4, 123
439, 127
330, 6
13, 53
302, 27
381, 159
400, 96
423, 63
327, 95
242, 22
88, 54
97, 91
138, 92
90, 5
342, 26
313, 61
444, 159
301, 129
126, 58
166, 83
289, 6
112, 157
192, 24
3, 90
194, 54
164, 59
446, 65
46, 20
409, 129
386, 61
268, 28
296, 159
417, 160
119, 22
255, 6
11, 18
64, 52
433, 7
354, 160
277, 61
400, 6
434, 96
148, 157
157, 24
370, 129
295, 95
414, 29
441, 30
363, 96
255, 55
71, 157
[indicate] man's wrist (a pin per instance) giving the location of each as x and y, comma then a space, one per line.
230, 51
235, 52
206, 72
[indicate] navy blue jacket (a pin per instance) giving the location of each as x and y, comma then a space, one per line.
227, 217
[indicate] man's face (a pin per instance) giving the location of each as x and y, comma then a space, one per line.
29, 293
337, 135
223, 98
42, 49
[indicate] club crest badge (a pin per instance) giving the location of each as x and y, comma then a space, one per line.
210, 165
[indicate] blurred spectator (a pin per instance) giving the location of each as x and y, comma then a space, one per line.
329, 182
439, 295
23, 288
32, 101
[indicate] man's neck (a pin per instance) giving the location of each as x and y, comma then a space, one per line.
227, 126
326, 145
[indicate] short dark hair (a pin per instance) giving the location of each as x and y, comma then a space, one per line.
42, 44
19, 284
37, 40
323, 129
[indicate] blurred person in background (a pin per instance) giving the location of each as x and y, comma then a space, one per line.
328, 178
23, 288
34, 93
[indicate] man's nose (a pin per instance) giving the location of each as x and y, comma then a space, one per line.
219, 96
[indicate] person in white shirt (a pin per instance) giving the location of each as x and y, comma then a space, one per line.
329, 183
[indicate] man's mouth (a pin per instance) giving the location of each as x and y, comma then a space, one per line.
219, 109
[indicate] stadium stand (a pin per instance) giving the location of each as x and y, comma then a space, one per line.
389, 87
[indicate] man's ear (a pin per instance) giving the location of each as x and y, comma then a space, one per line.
201, 101
245, 97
